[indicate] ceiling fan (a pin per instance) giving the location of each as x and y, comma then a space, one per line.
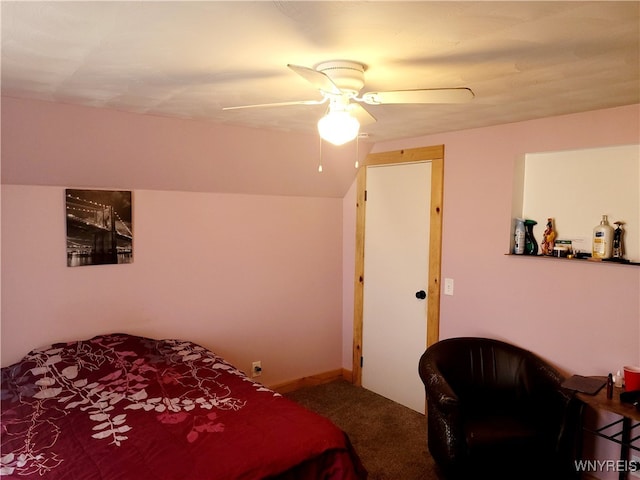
340, 82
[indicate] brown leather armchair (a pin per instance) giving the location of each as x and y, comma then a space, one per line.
497, 408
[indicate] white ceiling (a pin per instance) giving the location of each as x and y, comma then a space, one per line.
522, 59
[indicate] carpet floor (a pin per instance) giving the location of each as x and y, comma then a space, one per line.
390, 439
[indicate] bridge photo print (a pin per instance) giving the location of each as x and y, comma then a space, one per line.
99, 227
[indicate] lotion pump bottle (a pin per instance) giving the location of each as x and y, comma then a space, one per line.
602, 245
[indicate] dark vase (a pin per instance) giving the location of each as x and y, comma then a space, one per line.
530, 244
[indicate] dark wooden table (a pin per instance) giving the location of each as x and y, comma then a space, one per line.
620, 430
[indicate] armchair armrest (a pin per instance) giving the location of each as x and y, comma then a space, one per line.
445, 434
567, 410
544, 379
436, 386
543, 374
440, 394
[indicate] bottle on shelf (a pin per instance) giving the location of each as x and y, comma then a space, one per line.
618, 242
530, 244
519, 237
602, 242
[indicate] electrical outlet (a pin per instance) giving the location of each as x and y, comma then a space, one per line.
256, 369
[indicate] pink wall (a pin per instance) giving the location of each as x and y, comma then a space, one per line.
47, 143
213, 268
253, 277
583, 317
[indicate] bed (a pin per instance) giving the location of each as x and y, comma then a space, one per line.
126, 407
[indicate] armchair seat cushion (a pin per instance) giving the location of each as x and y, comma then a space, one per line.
500, 430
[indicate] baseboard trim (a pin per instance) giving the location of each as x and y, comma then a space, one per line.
312, 380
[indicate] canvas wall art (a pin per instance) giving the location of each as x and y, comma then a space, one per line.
99, 227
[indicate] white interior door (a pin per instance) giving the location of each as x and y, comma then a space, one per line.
394, 328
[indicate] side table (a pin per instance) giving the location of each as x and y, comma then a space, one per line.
619, 431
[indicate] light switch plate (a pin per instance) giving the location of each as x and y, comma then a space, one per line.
448, 286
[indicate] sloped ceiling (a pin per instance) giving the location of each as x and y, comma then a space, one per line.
522, 59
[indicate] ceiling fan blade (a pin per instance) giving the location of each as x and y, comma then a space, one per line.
361, 114
279, 104
318, 79
430, 95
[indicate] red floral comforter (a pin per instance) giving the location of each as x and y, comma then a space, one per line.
132, 408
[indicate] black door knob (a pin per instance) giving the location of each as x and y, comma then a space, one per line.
421, 294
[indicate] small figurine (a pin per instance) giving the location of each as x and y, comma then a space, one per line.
618, 245
548, 238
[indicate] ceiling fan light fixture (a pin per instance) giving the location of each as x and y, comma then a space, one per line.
338, 127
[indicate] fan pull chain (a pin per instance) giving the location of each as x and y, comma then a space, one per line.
320, 162
357, 151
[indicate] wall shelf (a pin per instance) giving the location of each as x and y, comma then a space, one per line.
575, 188
579, 260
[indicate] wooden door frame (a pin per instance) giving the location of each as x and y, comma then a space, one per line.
435, 155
